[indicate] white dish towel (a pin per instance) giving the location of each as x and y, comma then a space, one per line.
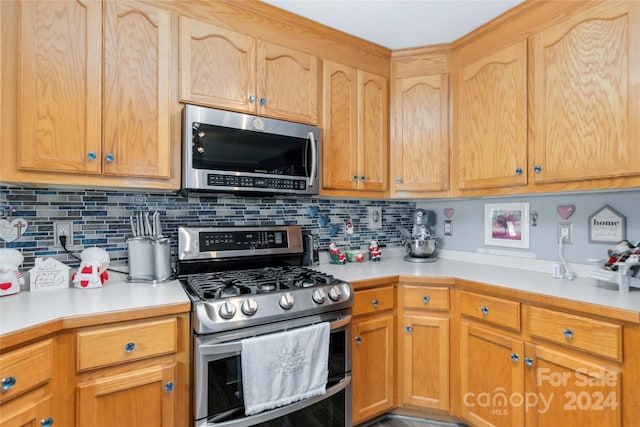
285, 367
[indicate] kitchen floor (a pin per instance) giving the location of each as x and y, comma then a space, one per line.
400, 421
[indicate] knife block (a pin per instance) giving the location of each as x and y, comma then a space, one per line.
149, 259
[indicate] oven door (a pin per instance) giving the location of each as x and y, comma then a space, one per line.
218, 397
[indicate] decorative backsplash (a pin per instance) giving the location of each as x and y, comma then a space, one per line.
101, 218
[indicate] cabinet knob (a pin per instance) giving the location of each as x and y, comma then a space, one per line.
355, 177
109, 158
399, 180
426, 299
263, 101
407, 328
528, 361
484, 310
92, 155
362, 178
168, 387
8, 383
537, 168
46, 422
252, 99
567, 333
358, 340
514, 357
375, 303
518, 171
129, 347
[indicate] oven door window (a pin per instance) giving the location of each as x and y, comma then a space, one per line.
224, 394
218, 148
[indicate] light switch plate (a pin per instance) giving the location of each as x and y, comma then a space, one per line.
375, 217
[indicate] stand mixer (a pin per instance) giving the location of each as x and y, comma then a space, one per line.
420, 243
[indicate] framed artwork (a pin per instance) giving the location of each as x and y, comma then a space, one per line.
506, 224
607, 225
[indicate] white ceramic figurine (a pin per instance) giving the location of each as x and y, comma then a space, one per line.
93, 269
10, 276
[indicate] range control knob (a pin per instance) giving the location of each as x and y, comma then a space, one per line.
286, 301
227, 310
335, 293
319, 296
249, 307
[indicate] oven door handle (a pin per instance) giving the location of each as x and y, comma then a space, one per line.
281, 411
236, 346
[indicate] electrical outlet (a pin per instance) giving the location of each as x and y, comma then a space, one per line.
62, 228
565, 232
448, 230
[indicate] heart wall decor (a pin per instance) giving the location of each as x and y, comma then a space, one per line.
565, 211
448, 212
12, 230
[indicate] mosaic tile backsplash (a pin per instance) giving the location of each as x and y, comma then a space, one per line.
101, 218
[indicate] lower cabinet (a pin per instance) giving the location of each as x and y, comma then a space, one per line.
33, 410
373, 353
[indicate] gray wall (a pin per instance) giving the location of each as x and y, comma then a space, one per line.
468, 222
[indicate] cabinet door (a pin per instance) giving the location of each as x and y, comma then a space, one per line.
60, 86
420, 151
340, 123
491, 120
572, 389
217, 66
491, 372
372, 366
136, 90
373, 131
32, 413
288, 83
586, 95
426, 361
140, 398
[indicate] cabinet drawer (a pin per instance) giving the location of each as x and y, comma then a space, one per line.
494, 310
25, 368
118, 344
373, 300
425, 297
593, 336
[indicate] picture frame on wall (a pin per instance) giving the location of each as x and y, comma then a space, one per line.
607, 225
507, 225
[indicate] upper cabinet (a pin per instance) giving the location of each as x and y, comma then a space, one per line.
585, 99
355, 130
420, 116
491, 119
93, 99
225, 69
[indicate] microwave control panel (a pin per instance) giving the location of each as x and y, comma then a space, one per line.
248, 182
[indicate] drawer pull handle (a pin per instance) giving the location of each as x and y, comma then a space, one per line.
47, 422
484, 310
426, 299
168, 387
8, 383
514, 357
407, 328
358, 340
129, 347
375, 303
567, 333
528, 361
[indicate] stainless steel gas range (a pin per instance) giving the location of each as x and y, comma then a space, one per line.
247, 282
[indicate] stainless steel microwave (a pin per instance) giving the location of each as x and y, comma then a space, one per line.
226, 151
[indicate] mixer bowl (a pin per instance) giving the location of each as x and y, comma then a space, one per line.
421, 248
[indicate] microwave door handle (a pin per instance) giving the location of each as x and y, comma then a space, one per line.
314, 160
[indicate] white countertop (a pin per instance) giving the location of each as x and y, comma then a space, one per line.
26, 309
580, 289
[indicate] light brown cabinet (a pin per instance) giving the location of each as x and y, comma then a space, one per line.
91, 108
423, 356
373, 361
355, 130
585, 99
230, 70
420, 142
490, 130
